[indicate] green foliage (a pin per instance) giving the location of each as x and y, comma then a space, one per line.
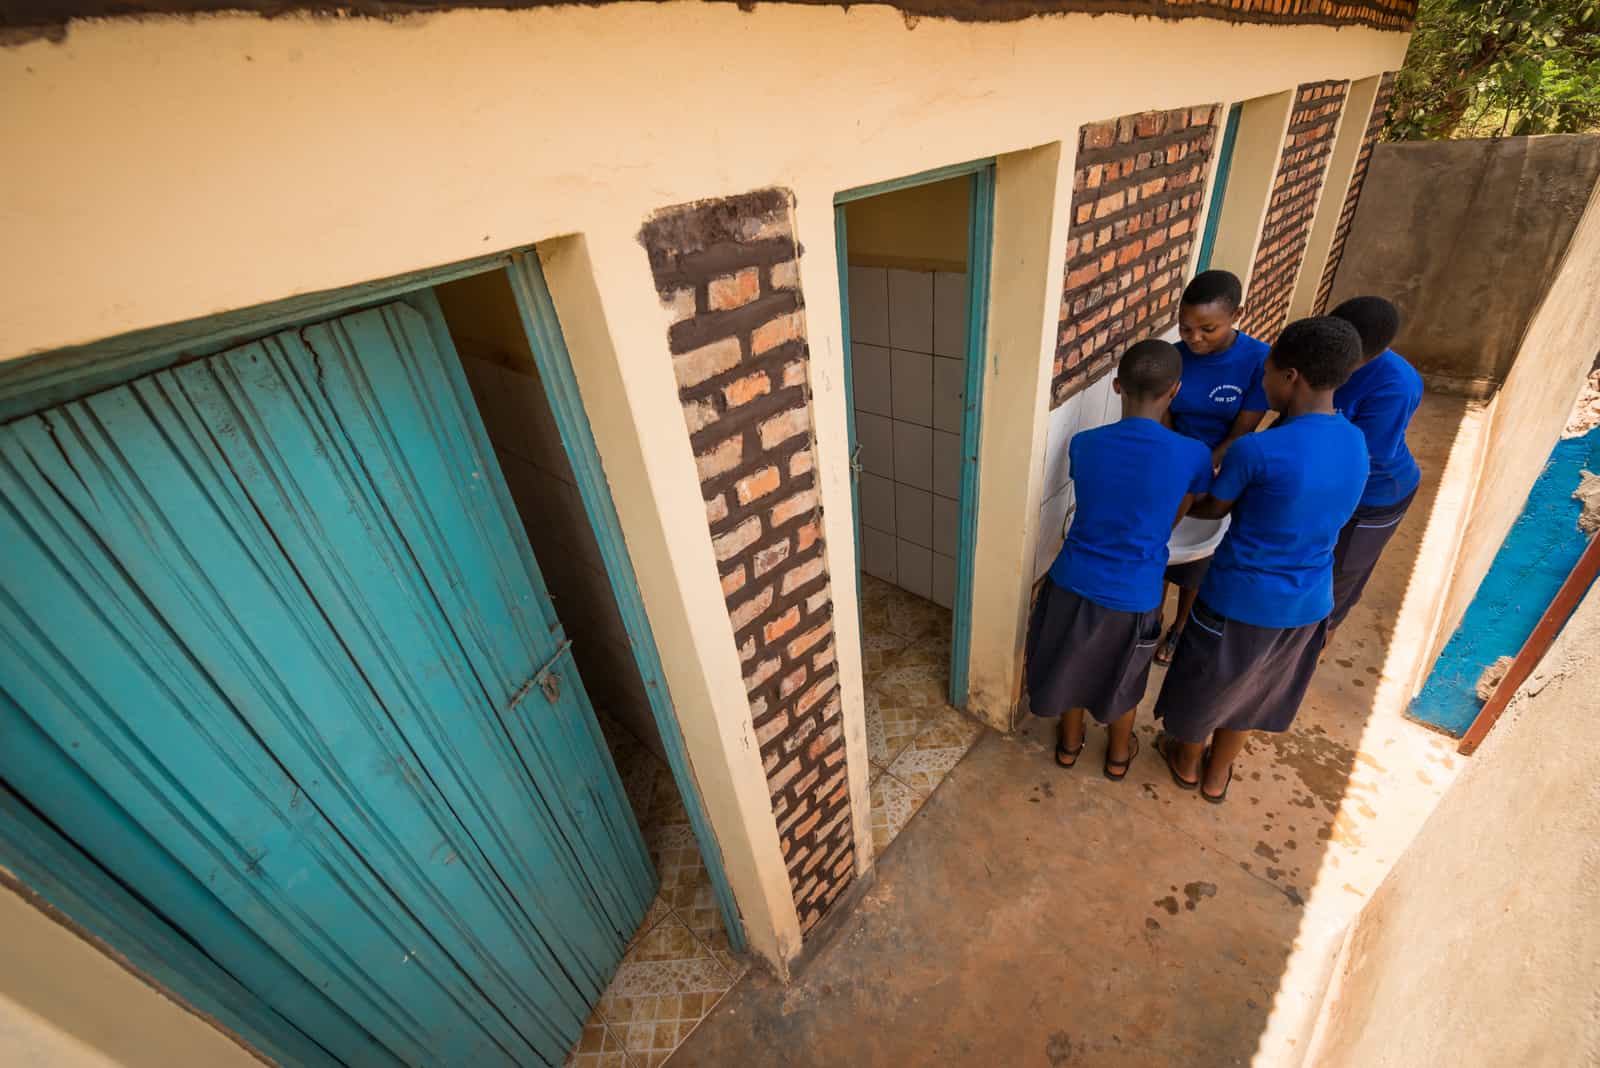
1486, 69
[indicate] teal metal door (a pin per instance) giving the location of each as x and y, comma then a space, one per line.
278, 658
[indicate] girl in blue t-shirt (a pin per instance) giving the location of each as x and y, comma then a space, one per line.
1220, 400
1262, 616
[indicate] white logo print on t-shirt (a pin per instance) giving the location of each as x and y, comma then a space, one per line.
1225, 393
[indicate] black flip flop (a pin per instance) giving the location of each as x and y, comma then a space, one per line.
1168, 647
1163, 746
1205, 761
1118, 776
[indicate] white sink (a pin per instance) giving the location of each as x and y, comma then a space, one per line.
1195, 539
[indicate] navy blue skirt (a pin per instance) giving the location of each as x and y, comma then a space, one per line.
1228, 675
1361, 542
1189, 575
1083, 655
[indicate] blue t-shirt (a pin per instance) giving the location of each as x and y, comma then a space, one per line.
1129, 477
1293, 486
1216, 388
1380, 399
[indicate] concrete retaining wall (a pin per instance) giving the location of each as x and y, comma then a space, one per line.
1466, 236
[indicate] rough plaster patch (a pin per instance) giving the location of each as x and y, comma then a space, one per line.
1588, 494
1490, 679
1586, 412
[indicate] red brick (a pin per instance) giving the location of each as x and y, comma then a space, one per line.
733, 581
716, 509
803, 731
746, 389
1099, 135
746, 612
831, 710
802, 645
775, 332
771, 557
780, 428
754, 486
792, 682
721, 458
785, 275
761, 674
733, 290
782, 625
799, 504
738, 539
695, 367
747, 650
807, 572
809, 699
818, 599
803, 785
697, 415
783, 775
800, 463
807, 825
679, 304
802, 806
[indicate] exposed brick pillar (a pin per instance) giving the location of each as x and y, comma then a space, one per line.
1313, 122
1137, 195
1352, 196
727, 271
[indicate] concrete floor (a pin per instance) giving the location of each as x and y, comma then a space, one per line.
1029, 915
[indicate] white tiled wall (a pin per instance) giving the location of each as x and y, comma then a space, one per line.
908, 332
1093, 407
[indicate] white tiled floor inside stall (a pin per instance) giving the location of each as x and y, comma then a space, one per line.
908, 334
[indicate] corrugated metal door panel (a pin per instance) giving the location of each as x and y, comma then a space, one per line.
272, 604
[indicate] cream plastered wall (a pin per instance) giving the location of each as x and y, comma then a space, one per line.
166, 169
66, 1004
923, 228
1263, 121
1526, 417
1330, 203
1481, 946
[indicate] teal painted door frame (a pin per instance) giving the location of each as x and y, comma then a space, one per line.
980, 255
55, 868
1219, 189
550, 353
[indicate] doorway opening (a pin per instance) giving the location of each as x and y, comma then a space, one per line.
914, 257
682, 958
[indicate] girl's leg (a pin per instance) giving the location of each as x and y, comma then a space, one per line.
1169, 640
1186, 600
1119, 737
1225, 746
1069, 737
1186, 758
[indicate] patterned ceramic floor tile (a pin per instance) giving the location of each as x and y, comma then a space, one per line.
893, 805
664, 987
676, 854
934, 751
891, 725
666, 803
598, 1046
639, 770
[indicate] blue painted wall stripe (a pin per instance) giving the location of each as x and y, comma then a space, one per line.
1530, 566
